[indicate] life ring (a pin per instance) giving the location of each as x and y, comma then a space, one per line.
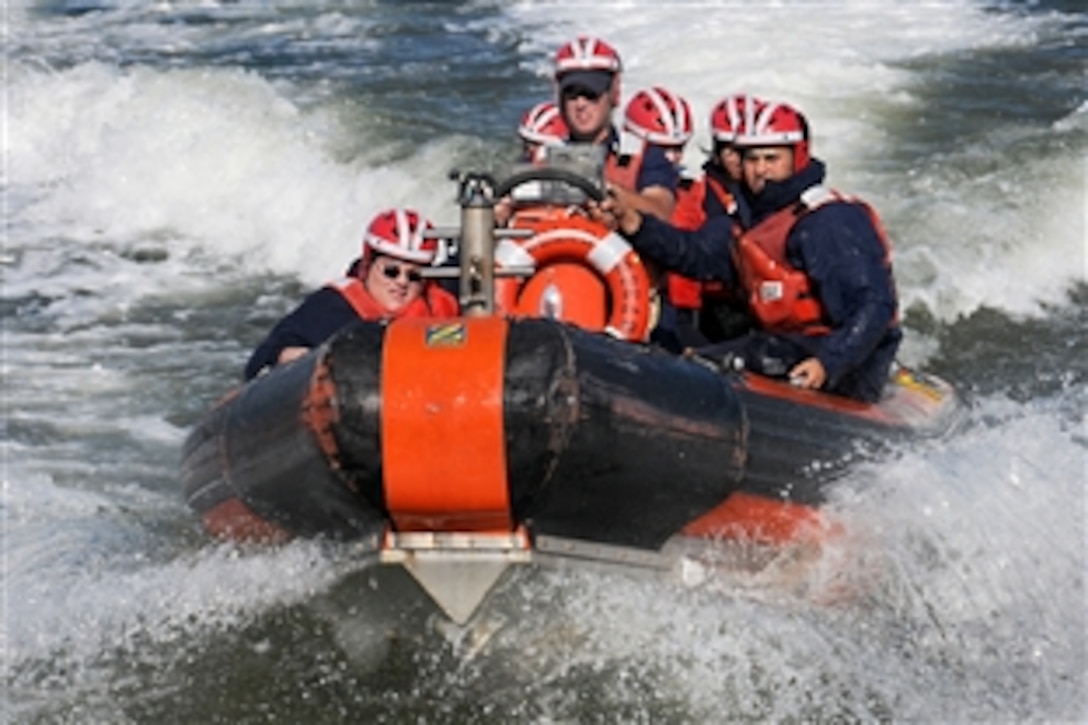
563, 247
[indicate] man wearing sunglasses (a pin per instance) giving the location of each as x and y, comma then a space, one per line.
587, 78
385, 283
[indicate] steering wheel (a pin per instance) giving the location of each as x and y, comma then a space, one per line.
548, 173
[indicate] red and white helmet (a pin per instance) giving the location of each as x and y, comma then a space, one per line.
659, 116
543, 124
775, 124
587, 52
728, 114
399, 233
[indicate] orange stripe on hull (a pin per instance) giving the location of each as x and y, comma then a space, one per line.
759, 519
442, 392
235, 521
777, 388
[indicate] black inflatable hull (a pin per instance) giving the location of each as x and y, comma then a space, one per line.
601, 440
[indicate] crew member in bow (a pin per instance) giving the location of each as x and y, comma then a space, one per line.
384, 283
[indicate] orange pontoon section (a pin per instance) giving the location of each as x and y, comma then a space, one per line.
232, 520
442, 438
763, 520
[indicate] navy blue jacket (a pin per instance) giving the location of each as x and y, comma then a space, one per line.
315, 320
839, 250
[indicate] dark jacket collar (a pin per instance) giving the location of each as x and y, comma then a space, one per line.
778, 195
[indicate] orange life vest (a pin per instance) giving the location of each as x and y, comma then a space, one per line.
434, 302
780, 295
623, 162
690, 213
684, 292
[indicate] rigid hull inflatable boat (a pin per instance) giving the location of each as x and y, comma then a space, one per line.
459, 447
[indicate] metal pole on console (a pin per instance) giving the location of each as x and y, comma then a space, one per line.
477, 246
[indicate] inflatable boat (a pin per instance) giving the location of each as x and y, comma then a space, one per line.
530, 430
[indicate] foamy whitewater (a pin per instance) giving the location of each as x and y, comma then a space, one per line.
178, 175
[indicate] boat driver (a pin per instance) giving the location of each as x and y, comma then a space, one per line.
587, 79
384, 283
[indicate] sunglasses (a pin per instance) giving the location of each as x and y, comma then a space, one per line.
572, 92
392, 271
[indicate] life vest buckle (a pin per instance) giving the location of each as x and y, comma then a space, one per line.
771, 291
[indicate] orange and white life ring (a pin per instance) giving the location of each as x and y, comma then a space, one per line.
585, 275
